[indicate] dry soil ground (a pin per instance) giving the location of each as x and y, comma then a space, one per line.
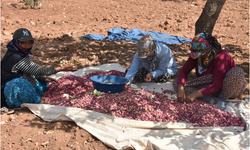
56, 25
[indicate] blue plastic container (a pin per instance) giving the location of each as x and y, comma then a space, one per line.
109, 83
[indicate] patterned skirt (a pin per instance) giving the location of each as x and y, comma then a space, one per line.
19, 91
233, 84
142, 73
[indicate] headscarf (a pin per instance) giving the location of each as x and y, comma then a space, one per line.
146, 45
146, 50
15, 45
204, 47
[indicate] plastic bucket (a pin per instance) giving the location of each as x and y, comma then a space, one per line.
109, 83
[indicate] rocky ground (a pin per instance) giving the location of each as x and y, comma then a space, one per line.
56, 26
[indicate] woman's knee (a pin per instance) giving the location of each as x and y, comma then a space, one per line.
234, 83
18, 91
235, 72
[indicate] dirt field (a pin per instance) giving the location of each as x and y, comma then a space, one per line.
57, 25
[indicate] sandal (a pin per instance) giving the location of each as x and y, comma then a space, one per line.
6, 110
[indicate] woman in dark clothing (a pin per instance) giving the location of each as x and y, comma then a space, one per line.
23, 81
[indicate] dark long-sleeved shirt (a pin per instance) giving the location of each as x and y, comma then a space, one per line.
32, 71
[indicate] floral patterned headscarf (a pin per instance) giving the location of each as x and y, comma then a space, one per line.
147, 50
146, 45
204, 47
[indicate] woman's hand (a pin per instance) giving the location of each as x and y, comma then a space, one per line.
66, 68
48, 79
148, 77
69, 68
181, 93
193, 96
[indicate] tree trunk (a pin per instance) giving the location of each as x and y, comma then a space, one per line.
209, 16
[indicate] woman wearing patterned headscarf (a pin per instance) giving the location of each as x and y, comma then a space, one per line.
216, 73
22, 80
152, 62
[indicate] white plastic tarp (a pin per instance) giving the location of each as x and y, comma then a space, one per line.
120, 133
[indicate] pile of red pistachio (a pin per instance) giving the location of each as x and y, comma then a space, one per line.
133, 104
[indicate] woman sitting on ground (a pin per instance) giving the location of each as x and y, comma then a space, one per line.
152, 62
23, 81
216, 73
